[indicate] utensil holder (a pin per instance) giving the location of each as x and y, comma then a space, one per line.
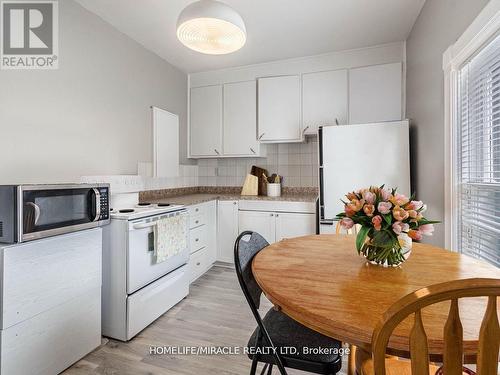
273, 190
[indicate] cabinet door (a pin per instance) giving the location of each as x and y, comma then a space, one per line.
279, 111
205, 131
227, 230
211, 224
165, 143
240, 119
290, 225
324, 99
375, 93
261, 222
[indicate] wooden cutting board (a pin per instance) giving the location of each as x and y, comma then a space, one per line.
251, 185
262, 183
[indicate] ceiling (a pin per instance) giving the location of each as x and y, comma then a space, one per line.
276, 29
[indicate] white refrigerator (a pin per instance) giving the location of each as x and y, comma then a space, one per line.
352, 157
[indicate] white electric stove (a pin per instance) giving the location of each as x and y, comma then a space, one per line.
137, 290
140, 210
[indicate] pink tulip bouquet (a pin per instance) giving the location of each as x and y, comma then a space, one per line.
389, 222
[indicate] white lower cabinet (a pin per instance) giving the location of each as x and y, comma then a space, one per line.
227, 220
289, 225
258, 221
202, 238
276, 226
51, 302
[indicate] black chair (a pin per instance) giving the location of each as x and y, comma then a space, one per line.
276, 330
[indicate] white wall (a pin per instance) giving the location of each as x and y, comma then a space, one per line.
438, 26
384, 54
91, 116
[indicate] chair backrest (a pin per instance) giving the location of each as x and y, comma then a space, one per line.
340, 230
489, 336
247, 245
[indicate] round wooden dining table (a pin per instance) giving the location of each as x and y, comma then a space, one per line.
321, 282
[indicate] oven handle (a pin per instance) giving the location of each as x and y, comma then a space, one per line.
144, 225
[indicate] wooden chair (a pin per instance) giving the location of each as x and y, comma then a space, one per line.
489, 336
352, 355
354, 230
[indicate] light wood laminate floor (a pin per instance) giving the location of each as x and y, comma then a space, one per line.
214, 314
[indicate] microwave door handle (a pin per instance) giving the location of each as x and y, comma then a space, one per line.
144, 225
37, 211
97, 203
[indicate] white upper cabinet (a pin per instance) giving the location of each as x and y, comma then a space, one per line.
240, 119
166, 143
279, 109
206, 121
324, 99
375, 93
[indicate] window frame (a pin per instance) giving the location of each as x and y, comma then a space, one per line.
482, 30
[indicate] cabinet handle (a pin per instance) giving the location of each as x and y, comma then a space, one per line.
198, 263
196, 222
235, 202
271, 214
336, 121
305, 129
251, 149
217, 152
196, 240
260, 136
196, 209
277, 215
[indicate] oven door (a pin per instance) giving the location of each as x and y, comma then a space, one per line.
46, 211
141, 265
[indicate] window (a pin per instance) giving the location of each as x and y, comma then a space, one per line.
477, 158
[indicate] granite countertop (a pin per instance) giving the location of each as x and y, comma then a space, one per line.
190, 199
195, 195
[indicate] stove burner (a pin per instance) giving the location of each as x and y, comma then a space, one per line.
163, 204
126, 211
144, 204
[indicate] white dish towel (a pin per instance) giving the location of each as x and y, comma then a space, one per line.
170, 237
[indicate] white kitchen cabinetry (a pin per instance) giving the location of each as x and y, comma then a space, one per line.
202, 238
51, 299
275, 226
324, 99
375, 93
240, 119
227, 225
289, 225
261, 222
165, 143
279, 109
205, 130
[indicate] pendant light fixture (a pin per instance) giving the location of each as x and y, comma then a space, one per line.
211, 27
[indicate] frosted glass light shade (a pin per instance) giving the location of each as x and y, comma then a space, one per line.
211, 27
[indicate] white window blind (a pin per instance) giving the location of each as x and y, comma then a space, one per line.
478, 159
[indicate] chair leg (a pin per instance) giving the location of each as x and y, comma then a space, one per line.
253, 370
270, 370
351, 364
264, 369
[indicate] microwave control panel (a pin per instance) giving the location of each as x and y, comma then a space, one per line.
104, 203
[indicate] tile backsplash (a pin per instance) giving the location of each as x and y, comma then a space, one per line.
297, 163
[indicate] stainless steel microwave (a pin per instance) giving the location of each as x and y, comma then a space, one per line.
29, 212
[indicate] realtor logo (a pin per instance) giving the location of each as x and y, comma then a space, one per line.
29, 35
